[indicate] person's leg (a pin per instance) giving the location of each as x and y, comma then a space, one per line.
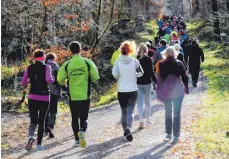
123, 100
168, 118
177, 102
33, 114
43, 110
53, 110
195, 76
83, 113
147, 99
75, 115
132, 97
140, 103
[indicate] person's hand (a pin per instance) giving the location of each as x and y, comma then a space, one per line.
154, 87
186, 90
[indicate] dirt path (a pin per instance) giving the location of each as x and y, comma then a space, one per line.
104, 135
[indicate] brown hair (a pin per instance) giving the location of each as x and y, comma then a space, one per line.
128, 47
51, 56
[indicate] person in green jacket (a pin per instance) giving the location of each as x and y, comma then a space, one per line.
167, 38
115, 56
79, 72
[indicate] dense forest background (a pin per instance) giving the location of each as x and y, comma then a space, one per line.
99, 25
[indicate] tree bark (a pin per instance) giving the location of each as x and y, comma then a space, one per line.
216, 18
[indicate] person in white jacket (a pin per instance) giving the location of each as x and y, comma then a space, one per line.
126, 69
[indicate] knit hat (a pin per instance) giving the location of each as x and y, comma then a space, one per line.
39, 55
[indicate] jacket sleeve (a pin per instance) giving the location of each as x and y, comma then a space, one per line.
153, 76
62, 75
139, 69
25, 78
184, 76
155, 57
115, 70
48, 76
202, 55
93, 72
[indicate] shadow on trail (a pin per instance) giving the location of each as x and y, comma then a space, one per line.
155, 108
100, 150
47, 147
155, 152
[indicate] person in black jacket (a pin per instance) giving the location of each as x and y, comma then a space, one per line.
145, 84
196, 56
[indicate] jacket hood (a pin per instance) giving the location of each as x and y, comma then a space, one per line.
125, 59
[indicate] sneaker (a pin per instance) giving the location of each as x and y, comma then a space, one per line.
168, 138
194, 84
82, 140
29, 145
175, 140
51, 135
128, 135
40, 148
77, 143
141, 125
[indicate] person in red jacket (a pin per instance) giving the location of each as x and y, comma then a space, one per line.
174, 39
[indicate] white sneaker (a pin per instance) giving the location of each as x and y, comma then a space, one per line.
40, 148
77, 143
168, 138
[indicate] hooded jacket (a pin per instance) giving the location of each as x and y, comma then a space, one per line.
126, 69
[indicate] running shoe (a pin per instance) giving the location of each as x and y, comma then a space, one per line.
29, 145
82, 140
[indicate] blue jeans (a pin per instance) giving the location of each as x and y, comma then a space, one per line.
127, 101
174, 125
144, 97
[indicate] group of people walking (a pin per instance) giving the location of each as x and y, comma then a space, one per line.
161, 65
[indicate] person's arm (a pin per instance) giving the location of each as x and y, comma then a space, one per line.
48, 75
62, 74
139, 69
152, 75
184, 77
93, 72
155, 57
186, 55
25, 78
115, 70
202, 55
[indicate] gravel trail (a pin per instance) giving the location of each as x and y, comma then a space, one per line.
104, 134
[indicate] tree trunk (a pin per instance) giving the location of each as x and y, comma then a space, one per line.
227, 4
216, 18
98, 18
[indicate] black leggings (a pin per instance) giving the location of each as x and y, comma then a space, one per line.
79, 110
38, 112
